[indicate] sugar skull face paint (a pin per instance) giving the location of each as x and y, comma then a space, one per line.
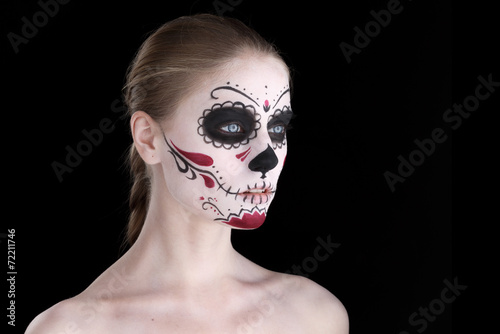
226, 146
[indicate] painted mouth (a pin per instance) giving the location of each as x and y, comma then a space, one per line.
257, 195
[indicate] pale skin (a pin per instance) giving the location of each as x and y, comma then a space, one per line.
183, 275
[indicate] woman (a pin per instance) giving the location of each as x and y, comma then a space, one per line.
209, 102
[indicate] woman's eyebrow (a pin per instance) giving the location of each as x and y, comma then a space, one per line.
286, 91
234, 90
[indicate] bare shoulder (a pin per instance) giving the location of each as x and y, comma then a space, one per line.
89, 311
55, 319
318, 307
63, 317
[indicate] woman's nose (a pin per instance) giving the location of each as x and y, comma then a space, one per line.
264, 161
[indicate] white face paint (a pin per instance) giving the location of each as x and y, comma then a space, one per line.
226, 144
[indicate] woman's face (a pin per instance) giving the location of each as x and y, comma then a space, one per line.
226, 144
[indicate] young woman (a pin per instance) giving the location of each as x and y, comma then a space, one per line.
209, 103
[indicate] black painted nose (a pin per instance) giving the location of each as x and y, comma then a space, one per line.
264, 161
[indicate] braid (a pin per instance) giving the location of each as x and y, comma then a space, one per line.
139, 195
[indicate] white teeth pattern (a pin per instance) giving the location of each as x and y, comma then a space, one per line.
253, 199
256, 191
259, 189
259, 194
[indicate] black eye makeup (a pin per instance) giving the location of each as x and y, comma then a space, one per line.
229, 125
278, 124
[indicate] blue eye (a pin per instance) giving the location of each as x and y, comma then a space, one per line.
278, 129
277, 125
231, 128
277, 132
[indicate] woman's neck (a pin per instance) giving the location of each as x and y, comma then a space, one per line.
180, 248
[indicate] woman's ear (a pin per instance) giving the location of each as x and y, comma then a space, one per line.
143, 129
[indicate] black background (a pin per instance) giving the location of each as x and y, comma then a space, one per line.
353, 121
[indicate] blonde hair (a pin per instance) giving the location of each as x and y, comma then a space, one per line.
165, 69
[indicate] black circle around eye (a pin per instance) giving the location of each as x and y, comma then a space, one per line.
277, 125
277, 136
216, 120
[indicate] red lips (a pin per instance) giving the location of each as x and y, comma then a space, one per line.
248, 221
